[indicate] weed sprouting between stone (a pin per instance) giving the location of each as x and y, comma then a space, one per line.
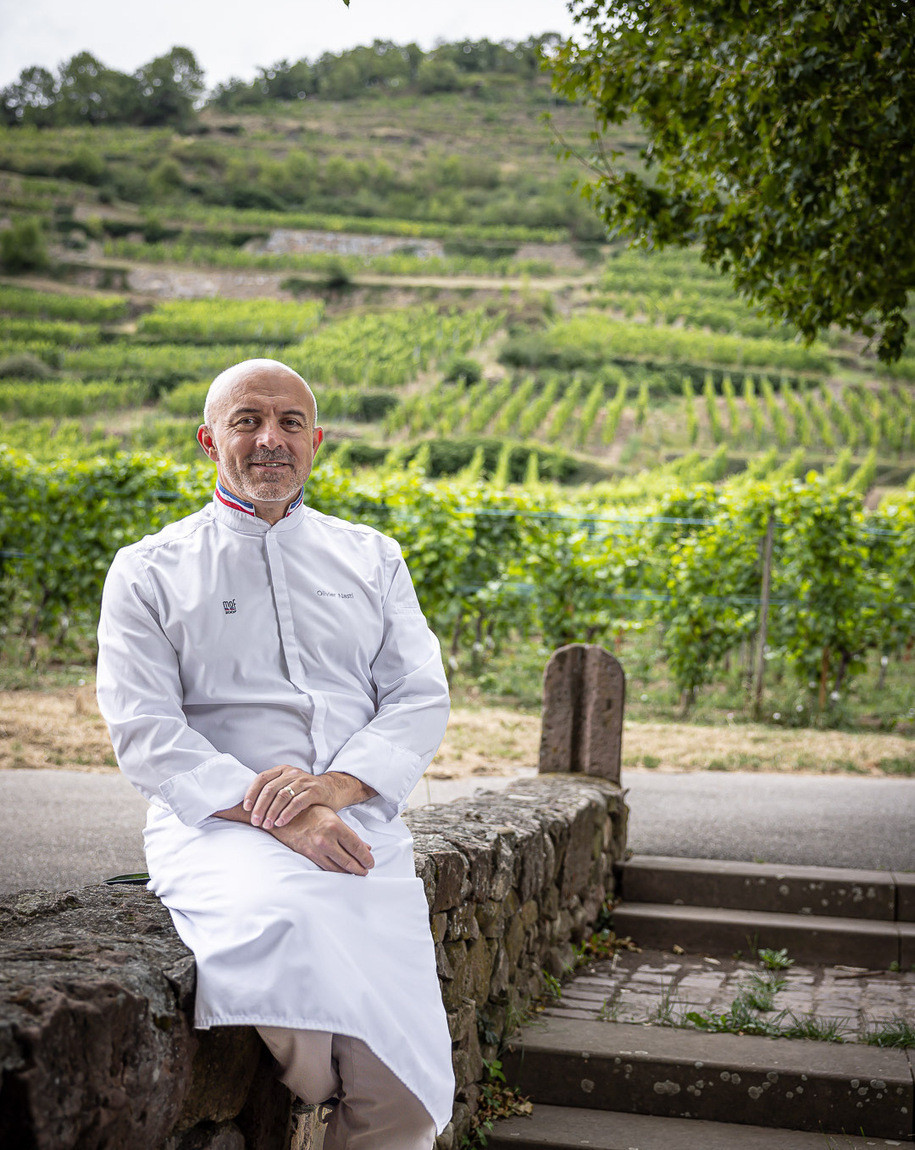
898, 1032
775, 959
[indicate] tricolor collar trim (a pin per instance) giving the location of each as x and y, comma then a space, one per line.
225, 496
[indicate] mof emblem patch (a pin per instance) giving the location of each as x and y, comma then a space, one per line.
228, 605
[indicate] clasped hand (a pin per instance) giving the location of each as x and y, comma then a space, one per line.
277, 795
300, 809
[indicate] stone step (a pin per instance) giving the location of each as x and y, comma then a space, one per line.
750, 1081
562, 1128
830, 891
808, 938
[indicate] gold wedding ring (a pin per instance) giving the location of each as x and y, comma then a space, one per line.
290, 790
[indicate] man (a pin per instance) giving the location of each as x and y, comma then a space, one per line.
272, 688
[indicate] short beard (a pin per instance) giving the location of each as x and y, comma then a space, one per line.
263, 489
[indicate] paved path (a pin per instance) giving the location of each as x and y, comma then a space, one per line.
60, 828
653, 986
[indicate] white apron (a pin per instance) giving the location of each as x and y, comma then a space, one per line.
280, 942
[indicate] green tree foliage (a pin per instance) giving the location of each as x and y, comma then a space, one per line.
85, 91
780, 138
32, 98
169, 87
388, 67
89, 93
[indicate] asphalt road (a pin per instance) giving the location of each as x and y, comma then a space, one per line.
60, 829
806, 820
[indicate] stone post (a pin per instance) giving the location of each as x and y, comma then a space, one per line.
584, 691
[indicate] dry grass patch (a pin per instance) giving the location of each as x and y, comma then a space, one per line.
63, 728
753, 747
486, 741
54, 729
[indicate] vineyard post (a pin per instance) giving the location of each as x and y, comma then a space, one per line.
763, 617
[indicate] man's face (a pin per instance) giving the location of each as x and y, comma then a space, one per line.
263, 438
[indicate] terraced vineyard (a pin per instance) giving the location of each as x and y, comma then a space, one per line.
572, 441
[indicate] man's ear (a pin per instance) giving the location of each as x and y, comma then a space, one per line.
316, 440
207, 442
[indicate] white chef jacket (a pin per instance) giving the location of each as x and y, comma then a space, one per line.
228, 646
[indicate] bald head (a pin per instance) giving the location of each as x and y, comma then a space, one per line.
260, 432
230, 385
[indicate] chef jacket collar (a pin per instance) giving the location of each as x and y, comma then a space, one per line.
240, 514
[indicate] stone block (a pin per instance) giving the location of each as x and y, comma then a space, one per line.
474, 1060
511, 905
549, 904
461, 1120
558, 830
462, 1021
905, 896
438, 924
450, 876
460, 1064
479, 849
561, 960
425, 870
443, 967
503, 874
906, 932
208, 1136
514, 940
810, 891
530, 913
549, 857
266, 1119
470, 1094
533, 876
91, 1034
490, 918
223, 1068
576, 869
445, 1140
460, 985
718, 1078
462, 922
480, 955
501, 972
584, 690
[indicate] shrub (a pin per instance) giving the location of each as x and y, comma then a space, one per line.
463, 369
435, 75
85, 166
24, 366
23, 247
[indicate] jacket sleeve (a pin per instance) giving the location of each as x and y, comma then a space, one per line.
391, 752
140, 696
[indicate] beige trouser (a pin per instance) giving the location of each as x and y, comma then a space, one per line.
376, 1111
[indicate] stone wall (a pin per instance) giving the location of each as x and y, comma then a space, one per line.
514, 880
97, 1047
